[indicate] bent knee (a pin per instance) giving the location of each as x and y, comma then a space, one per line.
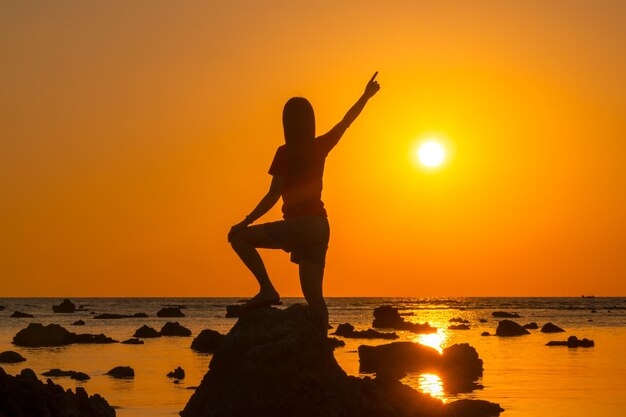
239, 239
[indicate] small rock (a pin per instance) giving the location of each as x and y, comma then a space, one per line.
178, 373
174, 329
483, 320
20, 315
387, 317
114, 316
505, 315
146, 332
510, 328
65, 307
336, 343
347, 330
531, 326
485, 334
122, 372
133, 341
207, 341
10, 356
572, 342
458, 327
78, 323
78, 376
458, 320
551, 328
170, 312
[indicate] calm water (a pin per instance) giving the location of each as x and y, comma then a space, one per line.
527, 378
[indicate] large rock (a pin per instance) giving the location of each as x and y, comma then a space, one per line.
551, 328
388, 317
38, 335
347, 330
146, 332
457, 361
207, 341
170, 312
505, 315
174, 329
510, 328
277, 363
10, 356
21, 315
24, 395
65, 307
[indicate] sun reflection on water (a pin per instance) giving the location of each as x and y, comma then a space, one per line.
434, 340
431, 384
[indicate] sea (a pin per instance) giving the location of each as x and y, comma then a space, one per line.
522, 374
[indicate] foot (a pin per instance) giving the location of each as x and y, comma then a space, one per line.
270, 297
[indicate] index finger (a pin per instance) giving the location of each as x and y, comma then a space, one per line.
373, 76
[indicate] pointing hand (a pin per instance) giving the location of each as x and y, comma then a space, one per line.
372, 86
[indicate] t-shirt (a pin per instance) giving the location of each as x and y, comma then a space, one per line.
302, 192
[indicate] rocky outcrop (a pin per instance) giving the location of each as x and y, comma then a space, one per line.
178, 373
174, 329
146, 332
38, 335
458, 327
25, 395
531, 326
572, 342
510, 328
21, 315
65, 307
133, 341
79, 376
115, 316
10, 356
388, 317
551, 328
207, 341
347, 330
122, 372
170, 312
505, 315
277, 363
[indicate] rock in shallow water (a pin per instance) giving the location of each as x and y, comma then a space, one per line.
56, 372
65, 307
572, 342
25, 395
146, 332
11, 357
347, 330
388, 317
510, 328
170, 312
505, 315
277, 363
20, 315
207, 341
174, 329
38, 335
551, 328
122, 372
178, 373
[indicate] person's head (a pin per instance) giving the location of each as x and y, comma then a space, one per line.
298, 120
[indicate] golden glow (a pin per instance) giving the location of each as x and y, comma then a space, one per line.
431, 153
431, 384
434, 340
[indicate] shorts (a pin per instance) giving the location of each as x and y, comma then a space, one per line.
305, 237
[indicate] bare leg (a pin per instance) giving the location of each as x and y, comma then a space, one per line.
245, 243
311, 277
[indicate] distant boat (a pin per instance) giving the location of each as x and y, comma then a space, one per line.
588, 296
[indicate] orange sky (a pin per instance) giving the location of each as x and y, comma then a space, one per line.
134, 134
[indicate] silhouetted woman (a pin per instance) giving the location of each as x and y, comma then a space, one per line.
297, 171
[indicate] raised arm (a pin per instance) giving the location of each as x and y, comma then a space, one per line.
331, 138
266, 203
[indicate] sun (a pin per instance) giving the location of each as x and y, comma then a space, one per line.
431, 153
